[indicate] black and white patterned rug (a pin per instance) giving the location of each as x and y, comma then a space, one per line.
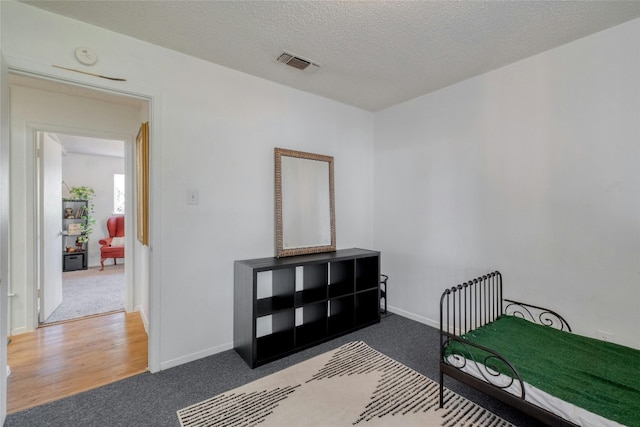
352, 385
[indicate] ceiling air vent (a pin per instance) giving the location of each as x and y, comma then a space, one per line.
298, 62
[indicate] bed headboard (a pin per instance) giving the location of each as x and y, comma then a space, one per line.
472, 304
475, 303
466, 307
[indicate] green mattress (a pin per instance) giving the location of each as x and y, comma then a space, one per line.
601, 377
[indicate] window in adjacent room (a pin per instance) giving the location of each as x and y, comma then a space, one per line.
118, 193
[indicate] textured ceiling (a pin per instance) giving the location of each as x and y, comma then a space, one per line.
374, 54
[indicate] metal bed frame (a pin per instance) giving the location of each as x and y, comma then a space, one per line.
476, 303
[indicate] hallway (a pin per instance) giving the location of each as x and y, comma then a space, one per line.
68, 358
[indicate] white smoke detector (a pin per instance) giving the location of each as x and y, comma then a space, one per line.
86, 56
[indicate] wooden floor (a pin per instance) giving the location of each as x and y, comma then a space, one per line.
68, 358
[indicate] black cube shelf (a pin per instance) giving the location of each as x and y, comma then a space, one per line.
283, 305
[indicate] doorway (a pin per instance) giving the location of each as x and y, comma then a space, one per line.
47, 107
87, 207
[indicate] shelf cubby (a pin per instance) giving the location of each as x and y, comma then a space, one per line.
341, 312
275, 291
311, 324
275, 333
366, 273
341, 278
314, 284
367, 307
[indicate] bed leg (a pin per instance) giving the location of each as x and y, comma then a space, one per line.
441, 389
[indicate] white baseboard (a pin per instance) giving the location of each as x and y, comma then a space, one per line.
195, 356
417, 318
224, 347
20, 330
143, 316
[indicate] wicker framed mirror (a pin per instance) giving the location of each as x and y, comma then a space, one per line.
305, 203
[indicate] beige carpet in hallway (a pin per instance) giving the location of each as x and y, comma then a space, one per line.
89, 292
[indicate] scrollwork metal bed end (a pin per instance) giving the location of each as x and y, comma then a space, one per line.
471, 305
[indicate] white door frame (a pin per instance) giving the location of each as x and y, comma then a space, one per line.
33, 129
4, 230
154, 98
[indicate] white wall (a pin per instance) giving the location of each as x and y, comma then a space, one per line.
95, 172
531, 169
217, 134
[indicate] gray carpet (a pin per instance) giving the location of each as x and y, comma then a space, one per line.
153, 399
89, 292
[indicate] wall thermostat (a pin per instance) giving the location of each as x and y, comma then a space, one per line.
86, 56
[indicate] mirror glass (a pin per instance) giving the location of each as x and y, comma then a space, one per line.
305, 213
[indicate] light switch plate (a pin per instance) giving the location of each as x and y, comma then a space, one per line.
193, 196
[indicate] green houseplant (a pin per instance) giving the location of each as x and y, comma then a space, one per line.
84, 193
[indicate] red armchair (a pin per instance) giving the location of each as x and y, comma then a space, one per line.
113, 246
